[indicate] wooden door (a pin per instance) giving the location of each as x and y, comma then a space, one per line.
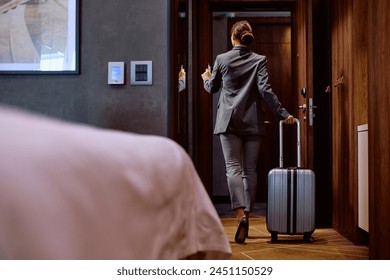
379, 135
178, 98
349, 109
302, 33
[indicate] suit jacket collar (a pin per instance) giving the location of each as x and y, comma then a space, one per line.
243, 50
241, 47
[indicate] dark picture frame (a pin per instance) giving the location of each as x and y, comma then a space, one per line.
39, 36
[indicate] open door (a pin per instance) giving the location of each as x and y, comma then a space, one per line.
313, 54
304, 78
179, 53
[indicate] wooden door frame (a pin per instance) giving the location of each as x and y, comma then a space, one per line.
178, 103
173, 62
304, 74
202, 55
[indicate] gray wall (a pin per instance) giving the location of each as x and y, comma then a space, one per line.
118, 30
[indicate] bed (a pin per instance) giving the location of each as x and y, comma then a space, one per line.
73, 191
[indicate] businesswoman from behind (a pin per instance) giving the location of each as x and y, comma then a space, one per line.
242, 77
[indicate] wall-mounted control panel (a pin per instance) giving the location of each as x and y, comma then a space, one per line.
141, 72
116, 73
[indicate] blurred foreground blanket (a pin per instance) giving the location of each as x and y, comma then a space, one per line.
72, 191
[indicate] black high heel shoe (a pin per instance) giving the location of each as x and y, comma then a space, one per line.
242, 231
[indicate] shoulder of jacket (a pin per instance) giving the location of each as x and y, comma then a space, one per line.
259, 56
228, 53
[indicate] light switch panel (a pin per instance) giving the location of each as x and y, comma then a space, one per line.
141, 72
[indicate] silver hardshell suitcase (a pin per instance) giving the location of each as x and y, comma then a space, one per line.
291, 196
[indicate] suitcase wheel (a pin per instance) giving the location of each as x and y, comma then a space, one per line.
274, 237
307, 237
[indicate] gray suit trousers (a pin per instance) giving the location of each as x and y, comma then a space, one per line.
241, 155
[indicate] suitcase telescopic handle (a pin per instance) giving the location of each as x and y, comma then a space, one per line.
298, 143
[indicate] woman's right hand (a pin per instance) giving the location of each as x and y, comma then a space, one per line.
289, 120
206, 74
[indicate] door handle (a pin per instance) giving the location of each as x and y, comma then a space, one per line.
311, 111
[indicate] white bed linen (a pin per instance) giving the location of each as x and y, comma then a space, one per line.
72, 191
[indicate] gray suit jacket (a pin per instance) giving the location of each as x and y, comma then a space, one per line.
243, 77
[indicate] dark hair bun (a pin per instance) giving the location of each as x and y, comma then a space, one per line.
246, 38
242, 32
